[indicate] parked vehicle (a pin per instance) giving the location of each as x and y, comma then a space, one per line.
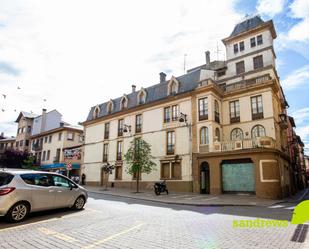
25, 191
160, 187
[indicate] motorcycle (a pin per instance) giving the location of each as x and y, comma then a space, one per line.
160, 187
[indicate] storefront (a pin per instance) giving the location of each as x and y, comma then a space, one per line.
62, 169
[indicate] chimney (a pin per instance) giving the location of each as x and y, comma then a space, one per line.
207, 53
43, 120
162, 77
2, 134
61, 124
133, 88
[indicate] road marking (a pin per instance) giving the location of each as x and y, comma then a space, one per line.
99, 242
61, 236
290, 208
277, 206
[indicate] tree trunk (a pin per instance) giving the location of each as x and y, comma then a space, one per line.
137, 182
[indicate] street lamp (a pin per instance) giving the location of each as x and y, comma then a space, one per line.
183, 118
127, 128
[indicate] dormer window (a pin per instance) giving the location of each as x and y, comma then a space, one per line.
173, 86
110, 107
141, 97
123, 102
96, 112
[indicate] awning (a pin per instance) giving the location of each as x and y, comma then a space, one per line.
59, 166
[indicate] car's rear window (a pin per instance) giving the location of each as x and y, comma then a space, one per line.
5, 178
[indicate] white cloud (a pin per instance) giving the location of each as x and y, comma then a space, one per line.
270, 7
302, 115
79, 53
296, 78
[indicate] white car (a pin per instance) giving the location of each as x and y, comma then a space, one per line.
25, 191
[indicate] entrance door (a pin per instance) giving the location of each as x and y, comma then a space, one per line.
205, 178
238, 177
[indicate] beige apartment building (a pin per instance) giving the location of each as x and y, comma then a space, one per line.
219, 128
55, 144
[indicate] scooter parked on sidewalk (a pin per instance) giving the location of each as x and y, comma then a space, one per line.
160, 187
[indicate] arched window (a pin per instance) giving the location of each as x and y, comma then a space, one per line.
258, 131
173, 86
96, 112
217, 132
237, 134
204, 137
217, 113
141, 97
123, 102
110, 107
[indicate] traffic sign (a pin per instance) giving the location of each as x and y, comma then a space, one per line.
69, 166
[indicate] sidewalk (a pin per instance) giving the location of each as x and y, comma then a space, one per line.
188, 198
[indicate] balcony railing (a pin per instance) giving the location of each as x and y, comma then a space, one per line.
37, 146
260, 142
246, 83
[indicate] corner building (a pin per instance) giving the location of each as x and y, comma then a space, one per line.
220, 128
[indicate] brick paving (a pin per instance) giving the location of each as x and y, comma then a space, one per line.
115, 222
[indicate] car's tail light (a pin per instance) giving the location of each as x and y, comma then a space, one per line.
5, 191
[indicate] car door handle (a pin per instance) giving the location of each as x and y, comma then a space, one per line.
59, 191
51, 191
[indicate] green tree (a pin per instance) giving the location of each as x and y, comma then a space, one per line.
139, 159
28, 163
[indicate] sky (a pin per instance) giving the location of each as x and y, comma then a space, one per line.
71, 55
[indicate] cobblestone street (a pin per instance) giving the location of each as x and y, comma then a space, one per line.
117, 222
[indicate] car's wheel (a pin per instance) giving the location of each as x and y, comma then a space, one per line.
79, 203
18, 212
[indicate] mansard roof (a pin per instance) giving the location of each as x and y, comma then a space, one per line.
187, 83
249, 23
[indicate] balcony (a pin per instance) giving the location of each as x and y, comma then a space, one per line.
260, 142
246, 83
37, 146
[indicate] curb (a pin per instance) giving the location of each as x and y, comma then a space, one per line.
297, 200
179, 203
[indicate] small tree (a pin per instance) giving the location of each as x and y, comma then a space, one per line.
139, 159
108, 170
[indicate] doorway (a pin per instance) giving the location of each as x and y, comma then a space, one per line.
204, 178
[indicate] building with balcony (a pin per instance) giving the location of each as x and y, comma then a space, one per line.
52, 139
219, 128
6, 143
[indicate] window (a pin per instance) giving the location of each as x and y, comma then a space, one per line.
57, 157
236, 134
241, 46
167, 117
17, 144
141, 97
21, 143
165, 170
257, 107
175, 111
123, 103
5, 178
204, 136
203, 109
105, 153
44, 155
234, 111
106, 131
258, 62
18, 130
258, 131
109, 107
43, 180
29, 129
119, 150
96, 112
120, 127
138, 123
217, 133
259, 40
170, 150
217, 113
61, 182
240, 67
70, 136
118, 172
50, 139
235, 48
175, 170
1, 146
172, 88
45, 139
59, 136
27, 143
48, 155
252, 42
